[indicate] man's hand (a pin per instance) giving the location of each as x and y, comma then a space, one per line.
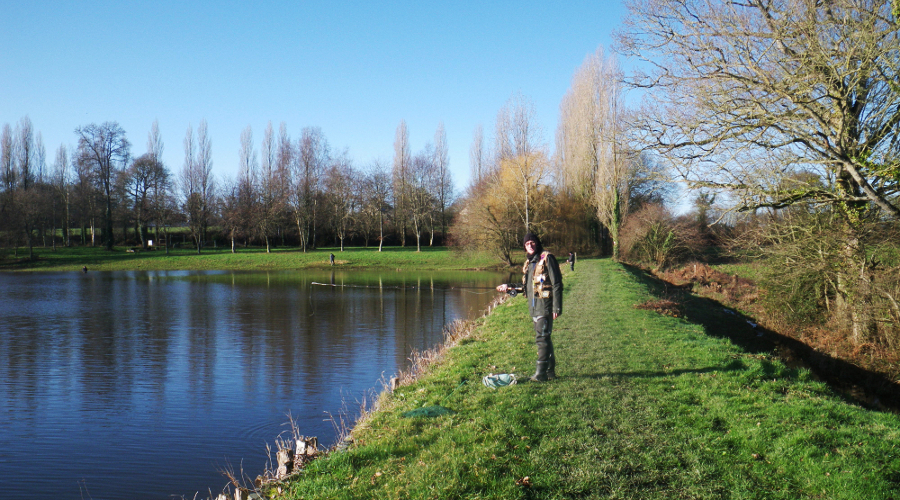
555, 315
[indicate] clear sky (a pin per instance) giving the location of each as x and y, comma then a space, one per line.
354, 69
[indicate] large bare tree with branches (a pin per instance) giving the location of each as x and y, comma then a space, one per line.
751, 96
105, 149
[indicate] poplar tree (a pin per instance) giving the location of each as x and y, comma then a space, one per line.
593, 160
401, 179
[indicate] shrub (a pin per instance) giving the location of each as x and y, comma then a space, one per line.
806, 278
652, 237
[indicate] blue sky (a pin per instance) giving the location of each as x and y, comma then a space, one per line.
353, 69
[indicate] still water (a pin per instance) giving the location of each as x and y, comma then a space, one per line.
144, 385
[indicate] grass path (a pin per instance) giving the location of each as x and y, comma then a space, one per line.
646, 406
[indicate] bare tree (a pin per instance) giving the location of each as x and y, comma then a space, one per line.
40, 159
190, 190
747, 95
488, 221
519, 150
197, 182
155, 146
207, 182
593, 158
42, 199
443, 181
163, 204
26, 186
478, 156
247, 181
341, 186
7, 159
401, 178
284, 164
377, 196
86, 197
142, 177
10, 219
271, 197
310, 160
106, 150
60, 182
420, 193
512, 195
231, 210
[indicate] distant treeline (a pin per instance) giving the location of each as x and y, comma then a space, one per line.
288, 192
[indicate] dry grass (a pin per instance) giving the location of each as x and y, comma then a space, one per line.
454, 332
344, 422
666, 307
712, 282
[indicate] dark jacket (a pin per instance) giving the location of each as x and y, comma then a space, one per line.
548, 299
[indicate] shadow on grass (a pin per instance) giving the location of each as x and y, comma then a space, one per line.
857, 385
734, 366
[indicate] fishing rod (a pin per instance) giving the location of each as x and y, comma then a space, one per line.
512, 289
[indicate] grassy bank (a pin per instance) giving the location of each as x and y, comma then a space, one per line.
98, 259
646, 406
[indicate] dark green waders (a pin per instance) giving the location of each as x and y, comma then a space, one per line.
546, 360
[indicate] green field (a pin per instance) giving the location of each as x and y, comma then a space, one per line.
250, 259
646, 406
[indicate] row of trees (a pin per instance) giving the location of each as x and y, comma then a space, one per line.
288, 191
577, 197
786, 112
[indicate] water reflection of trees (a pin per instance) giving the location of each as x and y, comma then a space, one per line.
115, 336
166, 360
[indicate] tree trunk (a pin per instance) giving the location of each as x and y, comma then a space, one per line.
66, 228
854, 290
110, 237
380, 232
28, 239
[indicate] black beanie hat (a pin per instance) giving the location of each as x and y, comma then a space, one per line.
538, 248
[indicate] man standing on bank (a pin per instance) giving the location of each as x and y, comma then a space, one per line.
543, 288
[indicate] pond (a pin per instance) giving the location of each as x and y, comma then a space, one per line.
125, 385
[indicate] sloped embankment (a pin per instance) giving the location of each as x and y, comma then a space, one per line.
646, 406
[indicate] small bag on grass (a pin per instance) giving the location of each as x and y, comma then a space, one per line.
493, 381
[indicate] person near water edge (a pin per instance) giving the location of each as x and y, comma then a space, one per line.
543, 287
